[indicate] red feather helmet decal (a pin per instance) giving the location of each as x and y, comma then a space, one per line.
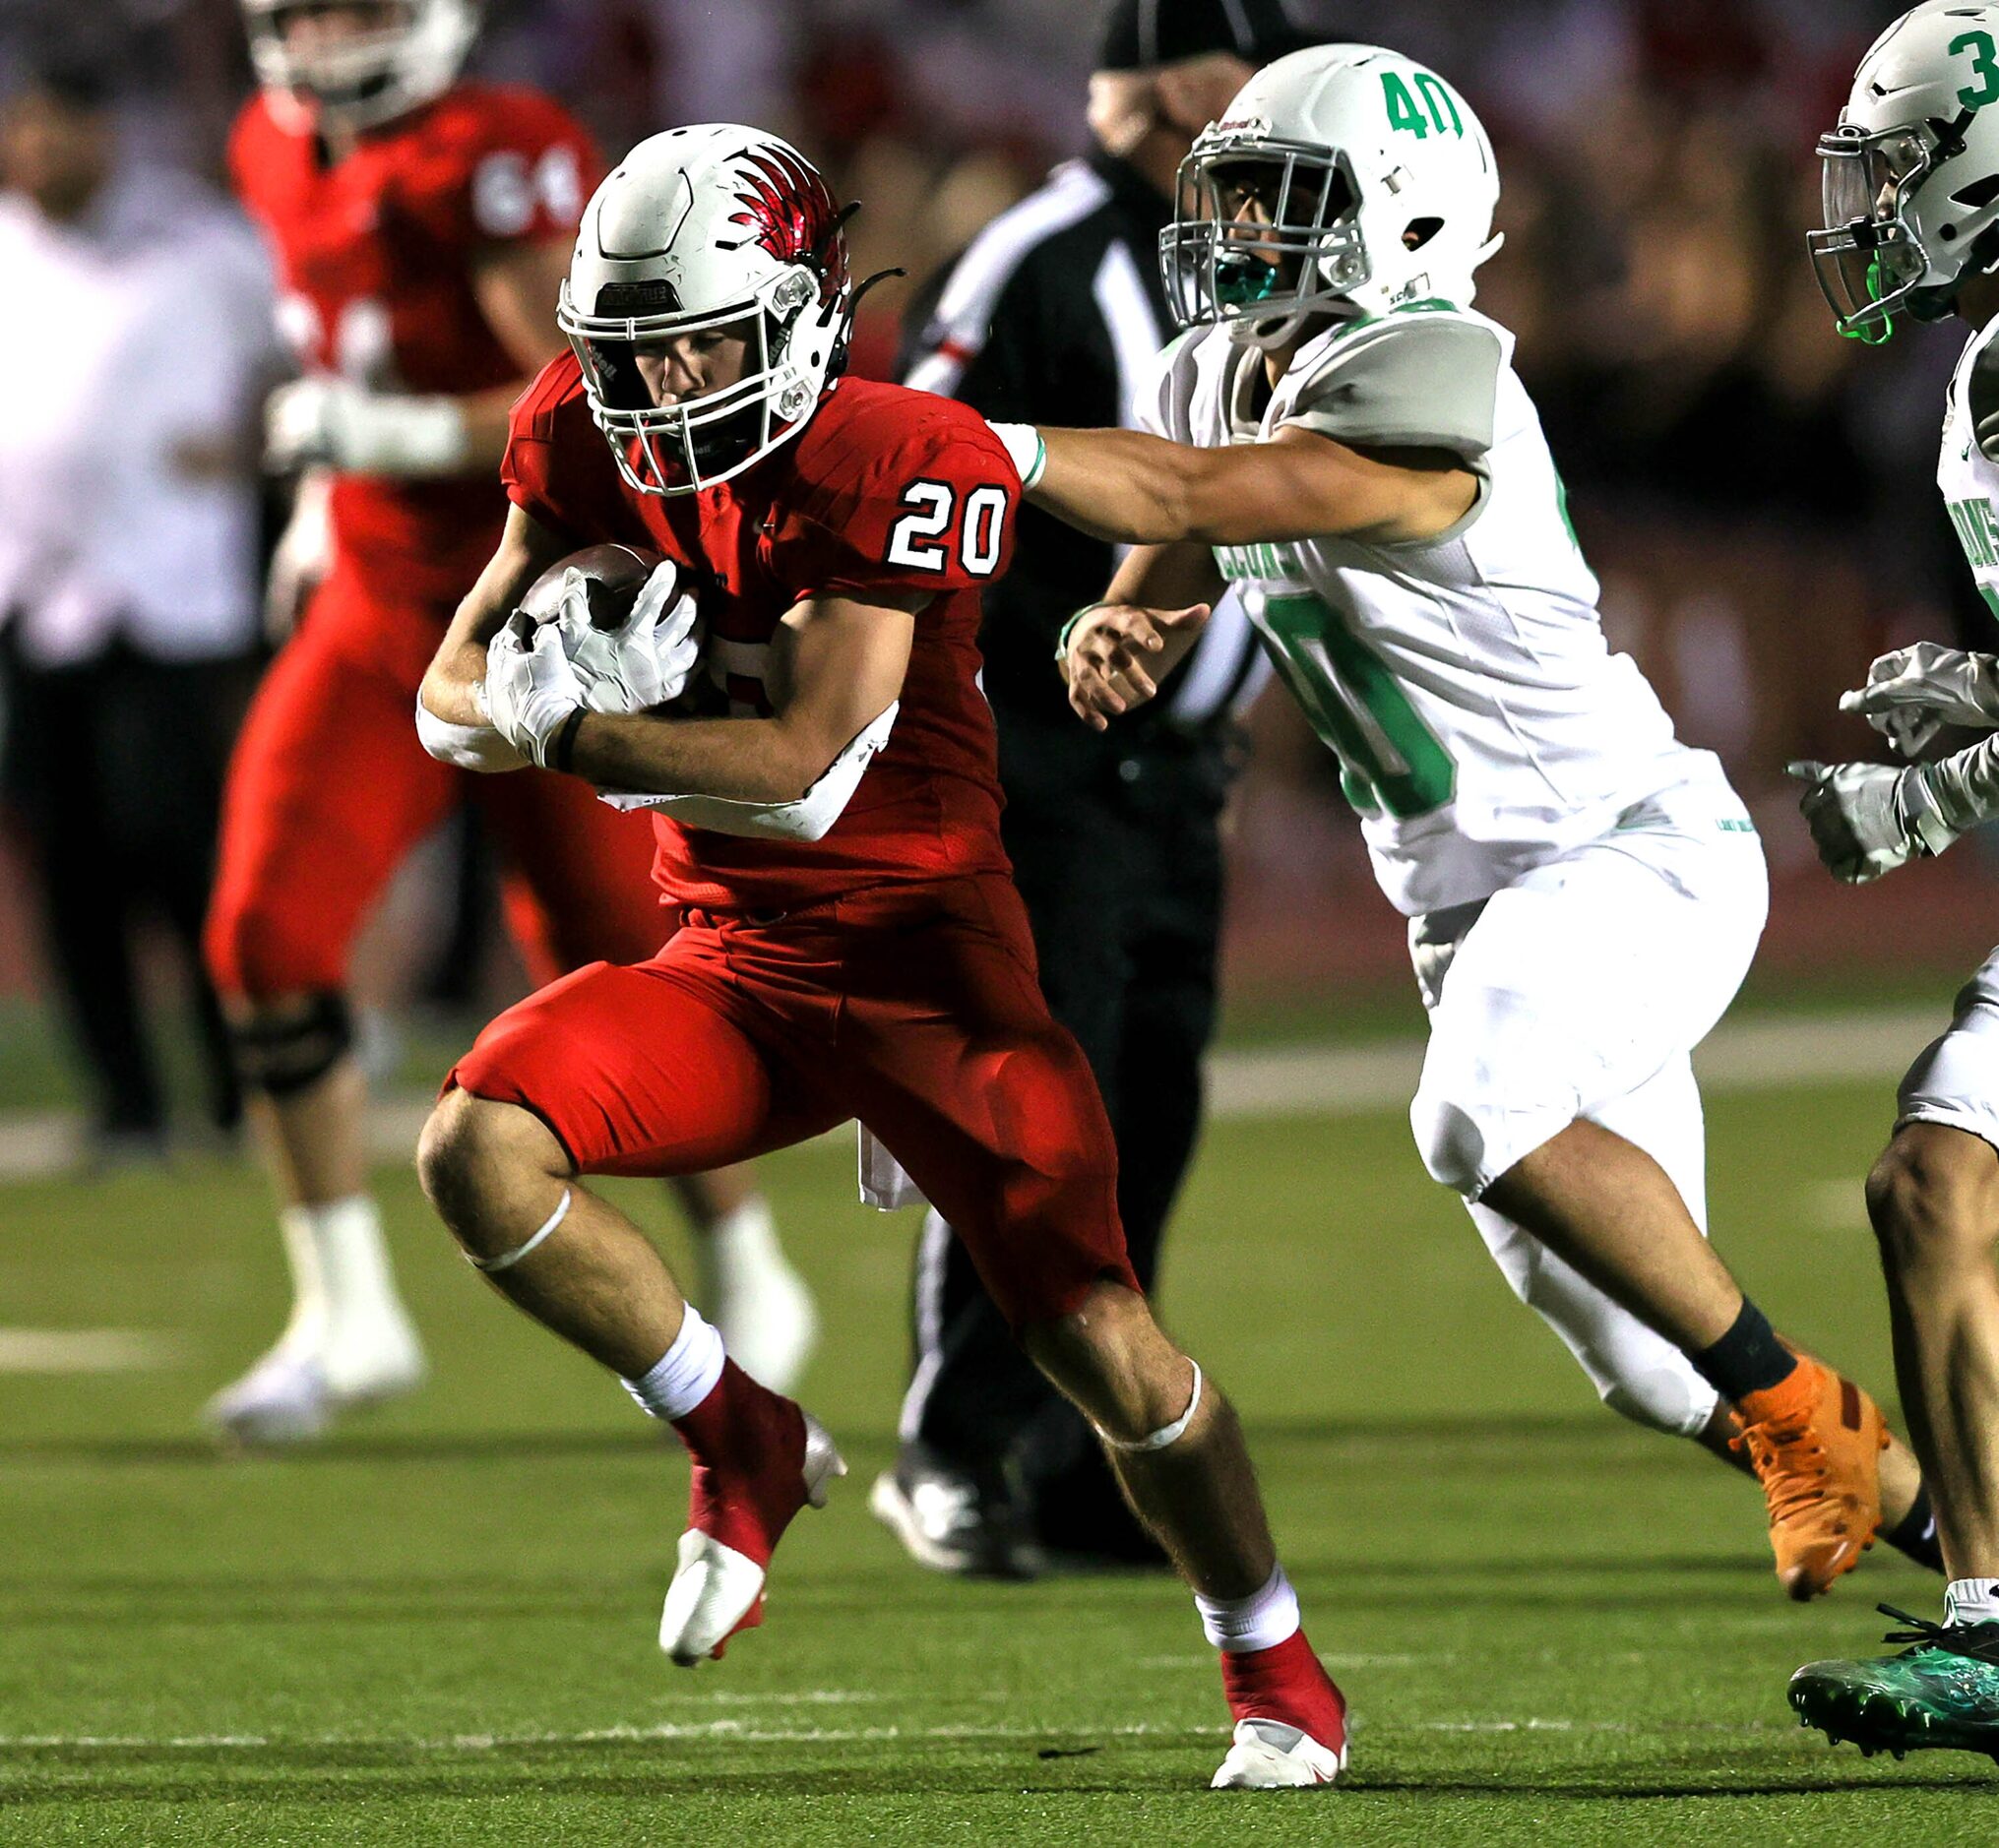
789, 212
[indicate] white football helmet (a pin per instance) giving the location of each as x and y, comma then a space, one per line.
1376, 185
701, 227
1910, 176
363, 79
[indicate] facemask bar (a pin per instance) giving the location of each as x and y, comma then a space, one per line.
668, 449
1219, 267
1867, 256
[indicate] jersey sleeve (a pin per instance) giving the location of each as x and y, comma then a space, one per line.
1420, 382
1160, 407
527, 172
927, 507
536, 469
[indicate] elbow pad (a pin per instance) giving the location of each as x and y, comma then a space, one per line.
810, 818
464, 747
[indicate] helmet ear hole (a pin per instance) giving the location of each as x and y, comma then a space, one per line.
1419, 232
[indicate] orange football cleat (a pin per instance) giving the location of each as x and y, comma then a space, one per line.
1815, 1442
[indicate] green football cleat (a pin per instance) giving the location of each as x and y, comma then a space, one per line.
1941, 1692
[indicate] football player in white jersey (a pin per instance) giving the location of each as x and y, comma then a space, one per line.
1347, 443
1912, 196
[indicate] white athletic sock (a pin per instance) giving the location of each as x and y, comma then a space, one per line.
1971, 1601
685, 1374
342, 1283
1260, 1620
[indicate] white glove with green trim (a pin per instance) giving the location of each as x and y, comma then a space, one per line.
1913, 693
1868, 819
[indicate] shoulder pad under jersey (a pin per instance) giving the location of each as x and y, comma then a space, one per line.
1415, 378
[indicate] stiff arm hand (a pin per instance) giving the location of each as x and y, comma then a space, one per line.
1115, 655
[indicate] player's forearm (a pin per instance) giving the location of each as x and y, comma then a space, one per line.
450, 688
742, 759
1121, 485
1166, 577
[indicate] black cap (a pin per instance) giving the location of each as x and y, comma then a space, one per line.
1142, 34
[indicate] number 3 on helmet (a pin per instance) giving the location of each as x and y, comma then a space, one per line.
708, 227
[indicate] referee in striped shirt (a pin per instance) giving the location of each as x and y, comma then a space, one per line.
1055, 314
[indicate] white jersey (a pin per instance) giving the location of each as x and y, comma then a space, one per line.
1483, 724
1968, 477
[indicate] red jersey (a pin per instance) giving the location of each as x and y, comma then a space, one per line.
886, 490
376, 256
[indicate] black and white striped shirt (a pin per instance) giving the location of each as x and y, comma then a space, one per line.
1054, 314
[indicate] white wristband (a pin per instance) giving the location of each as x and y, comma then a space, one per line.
1025, 450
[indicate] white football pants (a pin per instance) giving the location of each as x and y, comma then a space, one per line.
1955, 1080
1580, 990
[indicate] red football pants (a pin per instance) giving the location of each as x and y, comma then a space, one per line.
914, 1008
328, 789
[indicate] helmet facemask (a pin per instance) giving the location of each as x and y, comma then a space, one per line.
1263, 275
712, 436
1869, 257
366, 78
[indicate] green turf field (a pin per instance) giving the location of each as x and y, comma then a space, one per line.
439, 1630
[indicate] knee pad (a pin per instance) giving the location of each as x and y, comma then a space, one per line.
1482, 1107
282, 1056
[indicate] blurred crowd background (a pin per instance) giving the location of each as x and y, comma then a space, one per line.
1755, 492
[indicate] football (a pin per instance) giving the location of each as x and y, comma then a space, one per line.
591, 594
611, 578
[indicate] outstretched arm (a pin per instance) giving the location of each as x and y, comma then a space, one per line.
1135, 489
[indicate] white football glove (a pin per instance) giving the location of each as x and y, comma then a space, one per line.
646, 660
1913, 693
530, 689
1868, 819
322, 422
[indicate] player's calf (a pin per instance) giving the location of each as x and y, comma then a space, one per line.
1178, 1451
501, 1181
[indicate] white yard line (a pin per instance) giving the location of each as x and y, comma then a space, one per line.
741, 1731
87, 1350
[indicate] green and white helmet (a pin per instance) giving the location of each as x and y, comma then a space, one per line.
1343, 177
1911, 173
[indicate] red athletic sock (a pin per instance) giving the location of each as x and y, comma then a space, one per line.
1286, 1682
748, 1445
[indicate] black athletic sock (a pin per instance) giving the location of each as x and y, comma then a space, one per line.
1748, 1359
1916, 1535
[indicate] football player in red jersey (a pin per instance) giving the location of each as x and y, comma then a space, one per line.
849, 943
420, 225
